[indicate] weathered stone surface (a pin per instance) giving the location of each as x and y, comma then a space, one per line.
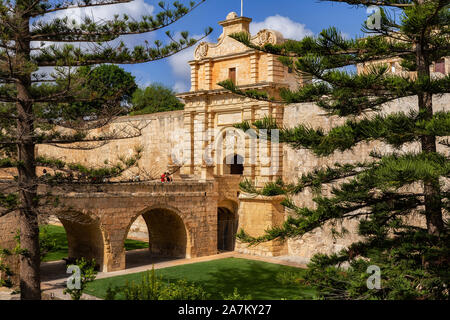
182, 218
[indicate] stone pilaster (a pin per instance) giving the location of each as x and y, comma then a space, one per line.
208, 75
194, 76
254, 69
200, 128
188, 144
275, 71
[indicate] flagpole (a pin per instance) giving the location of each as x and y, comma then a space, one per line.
242, 8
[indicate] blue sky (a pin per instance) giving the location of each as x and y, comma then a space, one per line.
294, 18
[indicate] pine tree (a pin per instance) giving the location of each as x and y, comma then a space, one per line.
381, 193
36, 107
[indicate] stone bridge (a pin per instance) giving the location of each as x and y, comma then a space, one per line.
182, 217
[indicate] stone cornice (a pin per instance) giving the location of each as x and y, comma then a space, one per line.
230, 22
260, 85
256, 197
224, 57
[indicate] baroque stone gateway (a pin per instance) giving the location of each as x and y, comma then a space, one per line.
201, 211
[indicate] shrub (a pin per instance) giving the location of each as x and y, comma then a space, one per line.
152, 287
236, 296
46, 242
87, 274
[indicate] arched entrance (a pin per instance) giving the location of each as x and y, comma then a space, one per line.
227, 224
167, 238
72, 235
84, 237
233, 164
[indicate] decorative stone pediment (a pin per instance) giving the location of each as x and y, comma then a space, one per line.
228, 46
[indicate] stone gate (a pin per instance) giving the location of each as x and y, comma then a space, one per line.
181, 219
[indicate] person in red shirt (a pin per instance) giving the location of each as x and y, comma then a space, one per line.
163, 177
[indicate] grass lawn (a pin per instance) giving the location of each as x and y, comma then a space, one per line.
61, 250
257, 278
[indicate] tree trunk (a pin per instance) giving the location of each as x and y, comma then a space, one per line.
30, 284
432, 190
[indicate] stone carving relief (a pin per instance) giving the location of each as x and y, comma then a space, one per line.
265, 37
201, 51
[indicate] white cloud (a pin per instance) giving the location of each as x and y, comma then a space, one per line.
134, 9
179, 63
290, 29
180, 86
180, 67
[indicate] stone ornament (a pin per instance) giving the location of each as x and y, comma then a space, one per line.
265, 37
231, 16
201, 51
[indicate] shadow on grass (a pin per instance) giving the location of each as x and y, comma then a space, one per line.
254, 278
218, 277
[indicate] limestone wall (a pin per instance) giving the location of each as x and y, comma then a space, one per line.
298, 162
8, 229
161, 136
164, 134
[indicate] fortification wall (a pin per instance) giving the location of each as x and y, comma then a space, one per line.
298, 162
161, 135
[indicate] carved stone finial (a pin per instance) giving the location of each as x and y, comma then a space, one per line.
232, 15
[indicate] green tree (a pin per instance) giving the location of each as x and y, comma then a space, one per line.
107, 81
155, 98
384, 192
33, 103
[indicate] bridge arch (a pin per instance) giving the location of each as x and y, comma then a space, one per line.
85, 236
168, 235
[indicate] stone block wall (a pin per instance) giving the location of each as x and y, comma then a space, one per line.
161, 136
298, 162
256, 214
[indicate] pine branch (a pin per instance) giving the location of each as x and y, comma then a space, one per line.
387, 3
394, 129
60, 30
45, 8
80, 139
331, 43
69, 173
70, 56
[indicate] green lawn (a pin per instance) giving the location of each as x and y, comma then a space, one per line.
259, 279
61, 250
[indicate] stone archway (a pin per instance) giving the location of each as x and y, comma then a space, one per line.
167, 237
84, 236
227, 223
233, 164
